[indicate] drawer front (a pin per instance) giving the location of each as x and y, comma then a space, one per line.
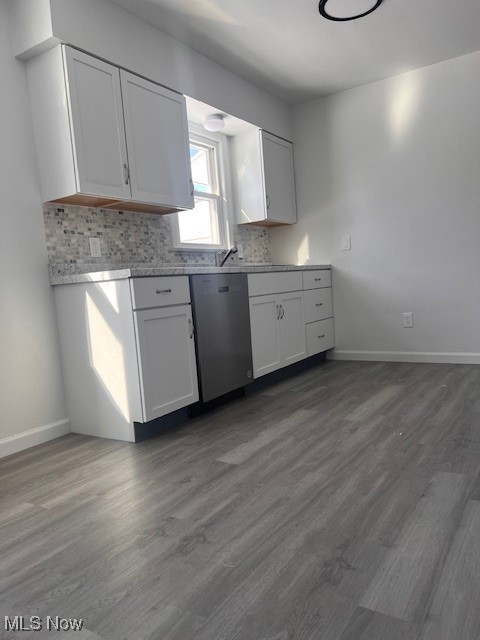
317, 279
160, 291
320, 336
318, 304
264, 284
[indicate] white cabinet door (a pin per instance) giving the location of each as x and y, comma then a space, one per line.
158, 143
266, 350
279, 179
292, 328
168, 370
97, 127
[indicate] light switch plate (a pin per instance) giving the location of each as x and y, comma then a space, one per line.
95, 250
346, 243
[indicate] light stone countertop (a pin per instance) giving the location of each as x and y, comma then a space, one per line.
174, 270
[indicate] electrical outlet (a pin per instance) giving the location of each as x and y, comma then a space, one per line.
240, 251
95, 250
346, 243
408, 320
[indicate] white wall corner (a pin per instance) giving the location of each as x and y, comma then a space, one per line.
33, 437
32, 28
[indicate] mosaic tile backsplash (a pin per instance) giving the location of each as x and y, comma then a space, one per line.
129, 239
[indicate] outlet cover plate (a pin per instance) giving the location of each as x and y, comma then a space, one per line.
408, 320
95, 249
346, 243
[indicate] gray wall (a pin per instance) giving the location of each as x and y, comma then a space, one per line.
396, 164
31, 391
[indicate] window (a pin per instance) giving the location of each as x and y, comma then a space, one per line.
205, 227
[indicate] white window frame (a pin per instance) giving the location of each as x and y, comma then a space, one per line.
219, 143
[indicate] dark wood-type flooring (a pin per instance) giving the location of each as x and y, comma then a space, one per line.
342, 504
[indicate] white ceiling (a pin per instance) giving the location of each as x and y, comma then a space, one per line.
287, 48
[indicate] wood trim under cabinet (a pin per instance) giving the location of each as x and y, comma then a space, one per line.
82, 201
97, 202
265, 223
142, 207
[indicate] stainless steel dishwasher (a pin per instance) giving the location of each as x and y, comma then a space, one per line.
222, 331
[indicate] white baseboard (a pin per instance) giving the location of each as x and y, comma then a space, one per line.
405, 356
30, 438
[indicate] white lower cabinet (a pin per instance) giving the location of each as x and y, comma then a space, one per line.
318, 311
292, 328
289, 325
318, 304
320, 336
128, 346
166, 352
128, 352
264, 326
278, 331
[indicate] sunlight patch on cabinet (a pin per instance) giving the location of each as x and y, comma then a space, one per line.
107, 357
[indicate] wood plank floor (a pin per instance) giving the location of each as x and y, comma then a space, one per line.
342, 504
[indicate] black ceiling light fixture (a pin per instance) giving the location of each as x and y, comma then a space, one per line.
322, 7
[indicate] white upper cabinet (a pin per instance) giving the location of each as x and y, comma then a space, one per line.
264, 179
98, 132
106, 137
279, 179
157, 141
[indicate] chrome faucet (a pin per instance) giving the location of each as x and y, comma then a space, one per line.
222, 256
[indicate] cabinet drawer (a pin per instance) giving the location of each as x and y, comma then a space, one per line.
263, 284
318, 304
320, 336
317, 279
159, 291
